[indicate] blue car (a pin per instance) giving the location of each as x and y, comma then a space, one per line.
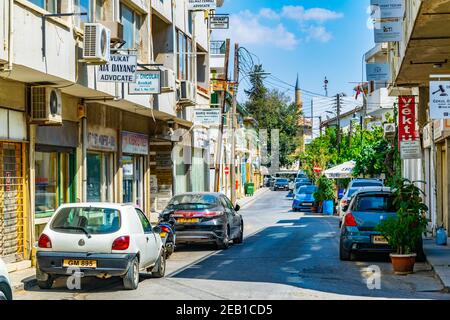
304, 198
369, 206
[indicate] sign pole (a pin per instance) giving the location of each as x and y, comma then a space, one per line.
220, 136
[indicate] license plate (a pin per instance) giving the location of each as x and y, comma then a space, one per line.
80, 263
379, 240
188, 220
307, 203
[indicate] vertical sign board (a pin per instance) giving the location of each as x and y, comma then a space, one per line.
388, 31
439, 99
408, 139
147, 82
120, 68
194, 5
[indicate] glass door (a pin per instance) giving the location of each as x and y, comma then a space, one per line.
128, 179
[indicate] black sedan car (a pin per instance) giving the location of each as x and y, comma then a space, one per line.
205, 218
281, 184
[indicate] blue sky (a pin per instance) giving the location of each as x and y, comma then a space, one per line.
314, 38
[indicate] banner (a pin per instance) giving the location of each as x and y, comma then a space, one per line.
407, 118
439, 99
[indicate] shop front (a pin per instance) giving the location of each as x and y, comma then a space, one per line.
55, 163
134, 162
13, 202
102, 148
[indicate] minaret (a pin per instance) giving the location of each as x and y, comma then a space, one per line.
301, 122
298, 96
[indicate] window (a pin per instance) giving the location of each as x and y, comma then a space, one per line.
46, 182
87, 219
131, 27
53, 6
376, 203
184, 57
146, 225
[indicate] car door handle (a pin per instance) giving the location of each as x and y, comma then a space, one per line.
147, 239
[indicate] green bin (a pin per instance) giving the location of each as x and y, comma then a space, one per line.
249, 188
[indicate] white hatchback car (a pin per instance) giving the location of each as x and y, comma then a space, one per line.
99, 239
5, 283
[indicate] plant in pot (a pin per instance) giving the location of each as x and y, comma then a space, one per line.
325, 195
404, 231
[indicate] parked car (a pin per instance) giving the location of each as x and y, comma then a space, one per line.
369, 206
353, 186
304, 198
101, 239
281, 184
206, 218
5, 283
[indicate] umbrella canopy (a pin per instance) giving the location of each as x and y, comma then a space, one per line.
341, 171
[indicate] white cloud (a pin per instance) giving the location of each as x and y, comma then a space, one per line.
318, 33
269, 14
319, 15
247, 28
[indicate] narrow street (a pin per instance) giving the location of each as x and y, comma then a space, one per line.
285, 255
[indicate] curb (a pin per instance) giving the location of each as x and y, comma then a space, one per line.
26, 284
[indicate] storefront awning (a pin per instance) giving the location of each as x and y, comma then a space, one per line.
341, 171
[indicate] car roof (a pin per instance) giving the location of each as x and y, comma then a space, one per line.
106, 205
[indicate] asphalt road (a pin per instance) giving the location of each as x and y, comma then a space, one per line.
285, 255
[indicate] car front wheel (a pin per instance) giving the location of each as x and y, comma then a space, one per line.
131, 278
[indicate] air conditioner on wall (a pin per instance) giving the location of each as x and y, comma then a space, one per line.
46, 105
96, 44
187, 92
167, 79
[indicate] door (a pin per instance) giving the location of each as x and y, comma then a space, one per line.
233, 217
150, 248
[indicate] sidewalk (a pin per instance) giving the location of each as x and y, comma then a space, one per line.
247, 200
23, 279
439, 259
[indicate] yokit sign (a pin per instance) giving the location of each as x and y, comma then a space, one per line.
219, 21
120, 68
407, 118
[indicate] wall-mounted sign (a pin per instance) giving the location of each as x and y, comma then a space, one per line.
428, 135
439, 99
163, 159
407, 118
134, 143
386, 9
378, 72
201, 5
103, 139
219, 21
207, 117
410, 149
147, 82
120, 68
388, 31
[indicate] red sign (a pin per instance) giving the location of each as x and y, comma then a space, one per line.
227, 170
407, 118
317, 169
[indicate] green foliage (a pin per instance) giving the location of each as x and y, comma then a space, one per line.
325, 190
272, 110
404, 231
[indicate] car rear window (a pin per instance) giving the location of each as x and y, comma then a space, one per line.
193, 202
307, 189
367, 184
282, 180
87, 219
378, 203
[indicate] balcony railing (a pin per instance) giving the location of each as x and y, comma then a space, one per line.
217, 47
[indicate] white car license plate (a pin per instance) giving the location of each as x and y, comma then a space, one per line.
379, 240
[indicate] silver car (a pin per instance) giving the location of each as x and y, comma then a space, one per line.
5, 283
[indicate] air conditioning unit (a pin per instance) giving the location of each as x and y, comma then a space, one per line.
116, 29
389, 130
167, 80
46, 105
96, 43
187, 92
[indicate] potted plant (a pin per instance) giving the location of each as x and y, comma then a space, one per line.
404, 231
325, 195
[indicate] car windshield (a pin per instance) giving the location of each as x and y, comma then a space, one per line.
378, 203
89, 220
193, 202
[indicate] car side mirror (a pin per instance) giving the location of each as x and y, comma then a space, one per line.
345, 208
237, 208
157, 229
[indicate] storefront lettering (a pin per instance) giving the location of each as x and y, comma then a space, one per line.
101, 141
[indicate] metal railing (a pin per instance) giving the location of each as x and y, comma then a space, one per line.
217, 47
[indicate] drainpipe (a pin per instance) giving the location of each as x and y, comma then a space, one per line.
10, 34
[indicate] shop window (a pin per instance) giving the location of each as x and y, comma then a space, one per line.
53, 6
131, 21
128, 178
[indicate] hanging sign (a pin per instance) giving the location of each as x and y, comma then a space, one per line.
147, 82
134, 143
219, 21
387, 9
439, 99
378, 72
388, 31
120, 68
201, 5
207, 117
407, 118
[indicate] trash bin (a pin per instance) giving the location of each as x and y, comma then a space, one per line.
249, 188
328, 207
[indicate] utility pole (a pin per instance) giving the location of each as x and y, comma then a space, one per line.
234, 125
320, 126
338, 114
220, 136
325, 86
